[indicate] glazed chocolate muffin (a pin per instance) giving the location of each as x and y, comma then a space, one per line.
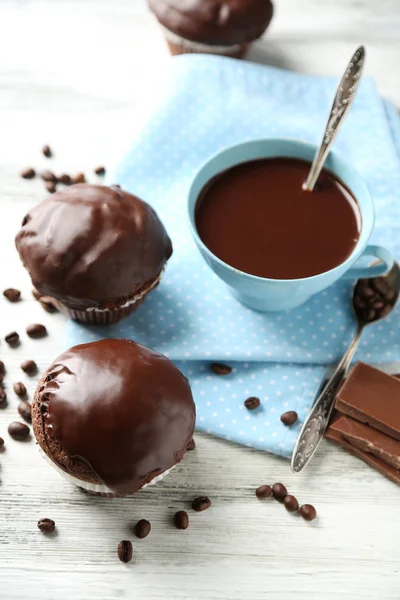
113, 416
96, 250
225, 27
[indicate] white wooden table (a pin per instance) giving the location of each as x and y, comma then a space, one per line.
71, 73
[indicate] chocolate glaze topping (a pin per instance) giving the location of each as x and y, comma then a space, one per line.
214, 22
90, 244
124, 409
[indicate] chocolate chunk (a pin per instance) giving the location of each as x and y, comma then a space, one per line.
12, 294
289, 418
308, 512
18, 431
51, 186
19, 389
290, 503
181, 519
46, 525
25, 410
78, 178
264, 491
65, 179
47, 151
29, 367
191, 445
3, 397
28, 173
125, 551
252, 403
279, 491
48, 304
1, 442
221, 369
100, 170
142, 528
201, 503
12, 338
36, 330
48, 176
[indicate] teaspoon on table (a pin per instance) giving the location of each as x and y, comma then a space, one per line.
344, 97
317, 421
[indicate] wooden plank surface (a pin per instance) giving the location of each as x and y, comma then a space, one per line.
71, 74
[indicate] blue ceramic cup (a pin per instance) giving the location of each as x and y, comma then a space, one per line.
264, 294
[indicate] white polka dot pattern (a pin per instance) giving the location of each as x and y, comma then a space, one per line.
208, 103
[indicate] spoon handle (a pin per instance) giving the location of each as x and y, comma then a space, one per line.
317, 421
345, 94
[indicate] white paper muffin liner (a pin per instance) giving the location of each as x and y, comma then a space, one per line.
198, 47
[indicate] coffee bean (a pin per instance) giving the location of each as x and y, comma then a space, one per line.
377, 304
308, 512
37, 295
142, 528
12, 294
29, 367
2, 368
25, 410
125, 551
12, 338
46, 525
65, 179
3, 397
220, 369
1, 442
47, 151
181, 519
289, 418
19, 389
290, 503
51, 187
191, 445
380, 285
18, 431
364, 289
201, 503
48, 176
252, 403
360, 302
264, 491
78, 178
28, 173
390, 295
384, 311
48, 304
369, 315
36, 330
279, 491
100, 170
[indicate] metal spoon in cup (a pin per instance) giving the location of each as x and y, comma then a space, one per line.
317, 421
344, 97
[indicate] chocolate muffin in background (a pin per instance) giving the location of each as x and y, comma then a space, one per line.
113, 416
97, 250
224, 27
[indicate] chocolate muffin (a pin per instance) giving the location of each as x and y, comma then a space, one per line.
113, 416
224, 27
96, 250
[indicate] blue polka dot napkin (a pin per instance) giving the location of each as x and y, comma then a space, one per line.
206, 103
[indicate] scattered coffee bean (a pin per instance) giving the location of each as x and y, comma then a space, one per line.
12, 295
78, 178
252, 403
1, 442
3, 397
201, 503
65, 179
36, 330
47, 151
37, 295
28, 173
125, 551
48, 304
48, 176
308, 512
19, 389
191, 445
264, 491
18, 431
220, 369
29, 367
100, 170
289, 418
46, 525
2, 368
290, 503
142, 528
12, 338
279, 491
51, 187
25, 410
181, 519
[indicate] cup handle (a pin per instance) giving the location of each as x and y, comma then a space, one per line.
372, 270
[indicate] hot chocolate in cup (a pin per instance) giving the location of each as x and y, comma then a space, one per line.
303, 242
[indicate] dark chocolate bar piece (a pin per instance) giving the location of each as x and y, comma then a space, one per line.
373, 397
